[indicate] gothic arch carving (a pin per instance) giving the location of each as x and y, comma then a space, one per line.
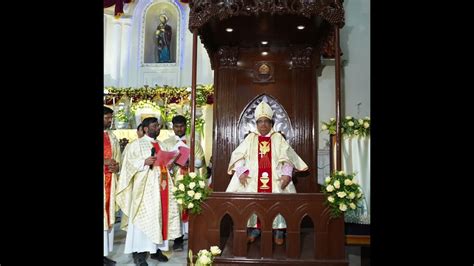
282, 121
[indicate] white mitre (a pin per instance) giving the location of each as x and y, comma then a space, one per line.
263, 110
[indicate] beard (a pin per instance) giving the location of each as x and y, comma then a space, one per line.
153, 135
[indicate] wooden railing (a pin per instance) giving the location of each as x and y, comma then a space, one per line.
312, 237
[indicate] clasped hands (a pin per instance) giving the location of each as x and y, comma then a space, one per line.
112, 165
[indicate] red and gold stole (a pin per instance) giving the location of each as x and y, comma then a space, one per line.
264, 164
164, 195
108, 175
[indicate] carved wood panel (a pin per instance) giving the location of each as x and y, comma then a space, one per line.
294, 88
328, 237
204, 10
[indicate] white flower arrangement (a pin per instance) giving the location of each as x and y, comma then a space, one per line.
342, 193
205, 257
145, 104
350, 126
145, 108
190, 191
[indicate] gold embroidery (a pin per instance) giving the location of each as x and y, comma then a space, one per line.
264, 148
264, 179
163, 177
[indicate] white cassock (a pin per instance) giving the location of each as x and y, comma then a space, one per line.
108, 241
139, 198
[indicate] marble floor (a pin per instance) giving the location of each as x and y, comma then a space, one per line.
175, 258
179, 258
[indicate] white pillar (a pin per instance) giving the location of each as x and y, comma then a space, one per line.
125, 52
115, 53
105, 30
107, 49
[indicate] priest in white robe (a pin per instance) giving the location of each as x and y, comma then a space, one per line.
150, 212
173, 143
111, 168
264, 163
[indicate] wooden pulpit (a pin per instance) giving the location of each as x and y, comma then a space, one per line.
271, 50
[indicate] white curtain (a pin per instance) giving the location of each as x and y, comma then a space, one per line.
356, 159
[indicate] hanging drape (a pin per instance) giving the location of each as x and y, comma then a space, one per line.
356, 159
118, 5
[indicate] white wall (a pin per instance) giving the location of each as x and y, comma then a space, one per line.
205, 75
355, 44
112, 30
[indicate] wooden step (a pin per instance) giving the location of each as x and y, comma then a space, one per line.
358, 240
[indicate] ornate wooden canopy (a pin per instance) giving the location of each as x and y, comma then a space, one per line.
275, 20
204, 10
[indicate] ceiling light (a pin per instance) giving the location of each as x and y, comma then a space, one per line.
229, 29
300, 27
264, 53
264, 42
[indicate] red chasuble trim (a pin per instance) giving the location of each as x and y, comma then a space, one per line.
164, 196
164, 201
108, 175
264, 165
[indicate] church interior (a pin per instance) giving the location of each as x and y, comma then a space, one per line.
215, 62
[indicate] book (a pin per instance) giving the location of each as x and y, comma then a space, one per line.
183, 155
164, 158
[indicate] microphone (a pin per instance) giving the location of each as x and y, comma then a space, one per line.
153, 151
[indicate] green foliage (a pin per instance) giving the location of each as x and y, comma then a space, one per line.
121, 116
163, 94
199, 124
349, 126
